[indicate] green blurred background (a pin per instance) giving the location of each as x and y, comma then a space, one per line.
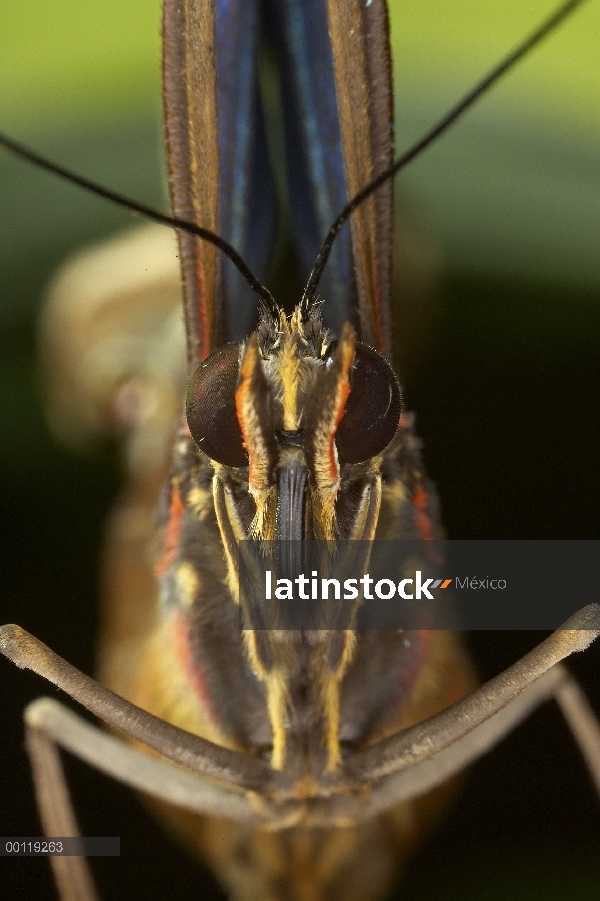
504, 380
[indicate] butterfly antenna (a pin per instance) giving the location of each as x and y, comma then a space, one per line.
149, 212
449, 119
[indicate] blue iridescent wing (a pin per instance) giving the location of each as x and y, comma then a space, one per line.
337, 101
218, 164
334, 67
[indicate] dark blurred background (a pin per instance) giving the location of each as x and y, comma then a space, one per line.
501, 364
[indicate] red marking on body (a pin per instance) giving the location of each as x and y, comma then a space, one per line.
343, 395
241, 402
171, 534
180, 630
241, 396
420, 501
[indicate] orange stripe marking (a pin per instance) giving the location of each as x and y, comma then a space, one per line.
172, 533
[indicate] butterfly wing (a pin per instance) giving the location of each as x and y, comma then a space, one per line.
219, 172
336, 95
337, 101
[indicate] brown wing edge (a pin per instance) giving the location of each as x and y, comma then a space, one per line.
190, 110
363, 74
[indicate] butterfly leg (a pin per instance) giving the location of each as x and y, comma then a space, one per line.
50, 726
59, 726
583, 723
72, 875
206, 758
424, 756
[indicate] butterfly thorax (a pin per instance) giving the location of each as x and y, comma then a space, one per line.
293, 392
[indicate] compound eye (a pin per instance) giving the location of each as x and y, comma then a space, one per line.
372, 410
210, 407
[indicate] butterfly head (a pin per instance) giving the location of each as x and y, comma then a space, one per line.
299, 418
